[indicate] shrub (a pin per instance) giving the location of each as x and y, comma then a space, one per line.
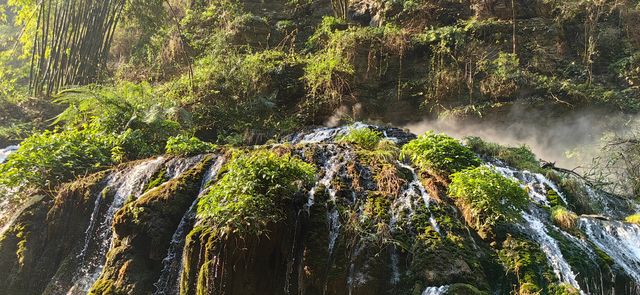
517, 157
365, 138
254, 191
439, 153
52, 157
141, 119
564, 218
633, 219
183, 145
486, 197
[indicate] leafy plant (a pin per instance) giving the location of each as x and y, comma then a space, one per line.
51, 157
365, 138
254, 191
142, 120
439, 153
183, 145
486, 197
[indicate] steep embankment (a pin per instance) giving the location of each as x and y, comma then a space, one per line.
332, 211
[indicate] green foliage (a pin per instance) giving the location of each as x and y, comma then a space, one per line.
325, 30
233, 93
134, 113
564, 218
328, 75
633, 219
439, 153
183, 145
365, 138
51, 157
517, 157
503, 75
253, 192
487, 198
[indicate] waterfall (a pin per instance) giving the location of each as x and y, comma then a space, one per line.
325, 134
536, 184
124, 185
172, 264
435, 290
414, 190
551, 249
331, 167
329, 134
5, 152
621, 241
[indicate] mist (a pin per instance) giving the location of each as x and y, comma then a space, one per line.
571, 139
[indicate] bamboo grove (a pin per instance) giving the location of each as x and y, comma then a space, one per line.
71, 42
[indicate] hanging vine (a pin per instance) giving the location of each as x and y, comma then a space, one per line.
71, 42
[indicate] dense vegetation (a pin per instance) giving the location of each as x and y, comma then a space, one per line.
235, 72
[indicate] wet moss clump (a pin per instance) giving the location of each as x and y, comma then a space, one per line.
526, 265
592, 268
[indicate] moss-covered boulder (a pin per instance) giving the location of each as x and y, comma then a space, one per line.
143, 231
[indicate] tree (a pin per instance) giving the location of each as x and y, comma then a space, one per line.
340, 8
71, 42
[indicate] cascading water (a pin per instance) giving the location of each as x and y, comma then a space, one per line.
435, 290
5, 152
621, 241
416, 191
98, 235
536, 184
125, 184
550, 247
325, 134
172, 264
331, 167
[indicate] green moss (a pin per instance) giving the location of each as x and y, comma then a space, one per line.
439, 153
527, 264
564, 218
554, 199
463, 289
563, 289
377, 207
589, 269
159, 178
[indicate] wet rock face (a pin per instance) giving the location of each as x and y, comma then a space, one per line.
348, 232
143, 231
36, 245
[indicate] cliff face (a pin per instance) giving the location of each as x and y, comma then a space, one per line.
367, 225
